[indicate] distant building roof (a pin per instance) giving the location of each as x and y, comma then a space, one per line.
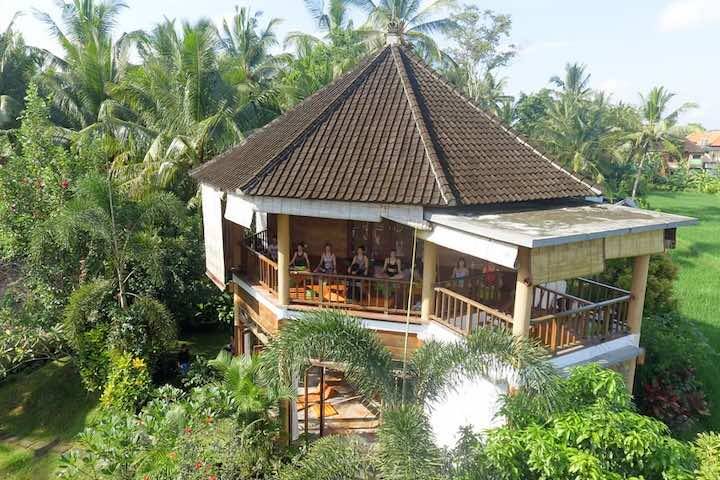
709, 138
391, 131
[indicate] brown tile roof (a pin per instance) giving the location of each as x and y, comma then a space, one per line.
390, 131
710, 138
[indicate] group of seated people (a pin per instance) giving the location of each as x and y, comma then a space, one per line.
359, 265
328, 263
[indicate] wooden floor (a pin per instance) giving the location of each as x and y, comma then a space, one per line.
345, 410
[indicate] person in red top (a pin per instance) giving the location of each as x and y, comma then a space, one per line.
490, 273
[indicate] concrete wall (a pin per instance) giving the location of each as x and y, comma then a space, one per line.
474, 403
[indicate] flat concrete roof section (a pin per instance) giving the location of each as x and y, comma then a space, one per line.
541, 227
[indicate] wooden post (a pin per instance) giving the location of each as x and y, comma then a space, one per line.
428, 279
641, 265
283, 239
307, 407
285, 426
322, 401
524, 290
238, 324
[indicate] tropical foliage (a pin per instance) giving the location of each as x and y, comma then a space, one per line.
101, 222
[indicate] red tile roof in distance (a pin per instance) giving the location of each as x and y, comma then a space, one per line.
391, 131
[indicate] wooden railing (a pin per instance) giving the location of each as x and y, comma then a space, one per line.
586, 325
465, 315
258, 266
472, 286
363, 293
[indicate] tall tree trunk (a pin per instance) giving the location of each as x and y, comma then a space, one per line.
116, 251
637, 176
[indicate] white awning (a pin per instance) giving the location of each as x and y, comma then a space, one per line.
493, 251
239, 211
213, 233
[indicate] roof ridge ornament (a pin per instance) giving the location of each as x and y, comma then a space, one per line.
393, 34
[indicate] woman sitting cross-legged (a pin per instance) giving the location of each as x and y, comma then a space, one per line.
327, 263
300, 259
392, 267
359, 265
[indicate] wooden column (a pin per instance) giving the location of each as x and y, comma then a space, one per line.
428, 279
524, 289
238, 324
285, 424
641, 265
283, 239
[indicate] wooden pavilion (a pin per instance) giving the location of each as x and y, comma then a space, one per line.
391, 157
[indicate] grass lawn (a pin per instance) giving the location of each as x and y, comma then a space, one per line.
698, 285
40, 412
207, 343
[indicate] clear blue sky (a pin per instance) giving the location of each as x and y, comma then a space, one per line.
629, 45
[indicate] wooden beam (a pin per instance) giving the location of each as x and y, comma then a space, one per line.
238, 324
283, 239
428, 279
560, 262
635, 244
524, 289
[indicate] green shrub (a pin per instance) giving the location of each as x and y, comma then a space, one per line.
707, 450
666, 384
87, 324
594, 433
145, 328
703, 182
588, 385
128, 384
176, 436
659, 295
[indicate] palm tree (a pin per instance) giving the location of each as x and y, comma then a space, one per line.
18, 63
247, 65
489, 92
330, 17
318, 61
405, 448
78, 81
578, 133
187, 112
412, 20
241, 378
655, 133
121, 232
575, 84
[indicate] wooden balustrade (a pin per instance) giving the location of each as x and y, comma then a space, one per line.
587, 312
589, 324
385, 295
465, 315
258, 266
549, 301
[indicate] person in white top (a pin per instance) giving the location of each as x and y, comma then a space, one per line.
328, 264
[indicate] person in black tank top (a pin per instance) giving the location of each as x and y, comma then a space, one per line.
300, 260
392, 267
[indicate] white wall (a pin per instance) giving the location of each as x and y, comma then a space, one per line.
474, 403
